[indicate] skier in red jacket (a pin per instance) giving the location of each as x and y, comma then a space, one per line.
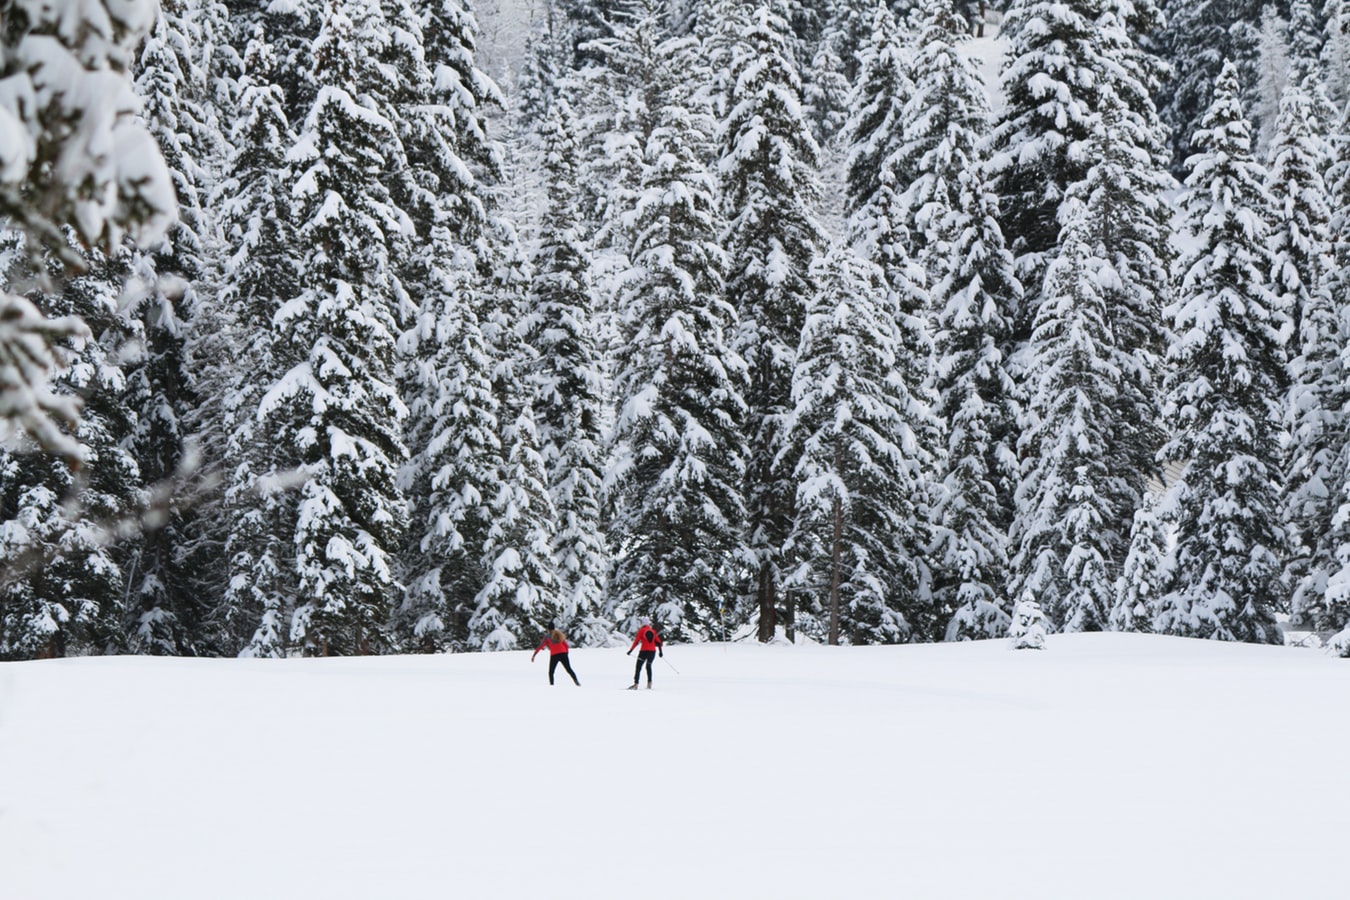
556, 645
651, 645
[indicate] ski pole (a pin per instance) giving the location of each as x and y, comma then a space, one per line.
672, 668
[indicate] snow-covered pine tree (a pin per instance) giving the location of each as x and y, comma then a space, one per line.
1320, 598
57, 570
519, 595
1225, 391
1027, 631
1128, 184
1299, 155
77, 157
1300, 242
208, 345
1307, 36
1066, 541
463, 96
569, 386
477, 559
423, 118
586, 24
769, 188
452, 476
260, 274
541, 77
719, 31
860, 489
678, 458
877, 174
1147, 572
64, 585
339, 404
173, 578
166, 606
1080, 129
1334, 611
975, 294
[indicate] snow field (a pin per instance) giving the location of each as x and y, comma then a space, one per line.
1106, 766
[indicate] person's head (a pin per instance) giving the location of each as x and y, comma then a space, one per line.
556, 636
646, 622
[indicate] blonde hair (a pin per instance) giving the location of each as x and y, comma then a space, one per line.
556, 636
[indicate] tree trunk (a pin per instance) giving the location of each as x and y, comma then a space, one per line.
768, 614
836, 550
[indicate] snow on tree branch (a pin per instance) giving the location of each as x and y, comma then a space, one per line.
74, 158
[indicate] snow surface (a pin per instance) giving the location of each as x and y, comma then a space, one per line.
1105, 766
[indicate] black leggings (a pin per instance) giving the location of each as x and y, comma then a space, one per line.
561, 659
644, 656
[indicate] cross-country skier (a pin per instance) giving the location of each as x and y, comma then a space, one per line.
650, 642
556, 645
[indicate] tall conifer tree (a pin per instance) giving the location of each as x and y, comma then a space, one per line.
454, 431
339, 404
1067, 547
65, 586
859, 486
1225, 393
452, 476
569, 383
260, 275
1304, 281
1334, 610
975, 295
173, 571
768, 191
678, 464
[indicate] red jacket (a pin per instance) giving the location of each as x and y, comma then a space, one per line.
647, 637
555, 648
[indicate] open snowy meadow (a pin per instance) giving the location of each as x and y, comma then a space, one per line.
1105, 766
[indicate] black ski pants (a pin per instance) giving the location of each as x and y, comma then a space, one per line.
560, 659
644, 656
